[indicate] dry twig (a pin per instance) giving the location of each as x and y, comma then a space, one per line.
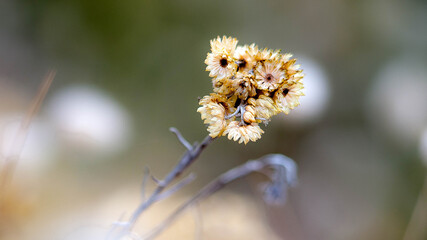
284, 175
11, 159
159, 193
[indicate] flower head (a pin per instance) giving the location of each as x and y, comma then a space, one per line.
251, 86
220, 65
267, 54
213, 111
242, 132
219, 61
245, 58
265, 107
244, 86
287, 97
226, 45
269, 75
223, 86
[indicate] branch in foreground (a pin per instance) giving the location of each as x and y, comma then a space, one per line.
284, 175
159, 193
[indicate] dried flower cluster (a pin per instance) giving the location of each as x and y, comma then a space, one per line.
250, 86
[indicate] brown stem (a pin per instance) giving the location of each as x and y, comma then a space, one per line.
10, 161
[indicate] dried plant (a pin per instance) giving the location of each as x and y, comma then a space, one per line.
250, 86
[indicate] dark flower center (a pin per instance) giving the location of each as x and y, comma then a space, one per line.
242, 64
223, 62
237, 103
285, 92
269, 77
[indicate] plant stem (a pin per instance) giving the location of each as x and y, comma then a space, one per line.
189, 157
8, 165
279, 162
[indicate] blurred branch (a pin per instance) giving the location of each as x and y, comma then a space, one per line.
12, 157
181, 138
176, 187
189, 157
144, 182
284, 175
417, 226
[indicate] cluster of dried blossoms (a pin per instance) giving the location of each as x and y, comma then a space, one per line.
250, 86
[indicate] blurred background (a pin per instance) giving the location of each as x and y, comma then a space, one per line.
129, 70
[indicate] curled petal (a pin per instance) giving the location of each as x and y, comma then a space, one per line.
243, 133
287, 97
